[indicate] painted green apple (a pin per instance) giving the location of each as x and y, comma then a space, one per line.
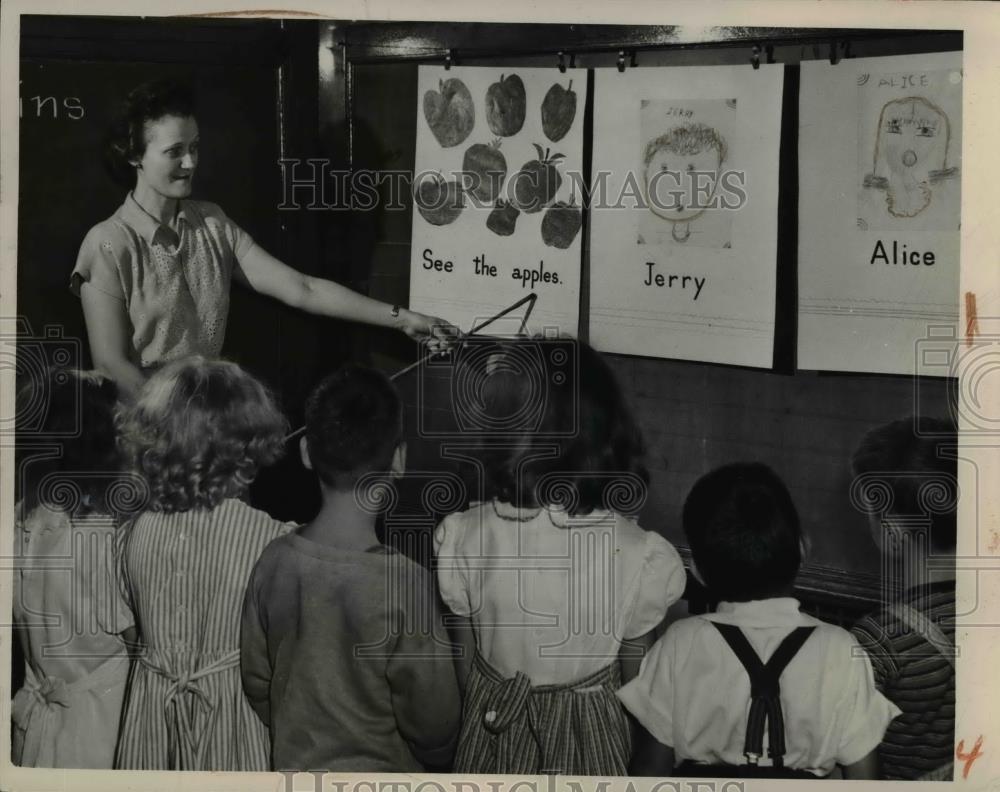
450, 112
558, 111
536, 184
506, 106
485, 168
502, 219
561, 224
439, 202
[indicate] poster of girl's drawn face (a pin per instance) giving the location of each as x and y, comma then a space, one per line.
684, 153
909, 151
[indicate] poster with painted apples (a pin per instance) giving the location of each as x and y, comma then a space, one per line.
684, 212
497, 186
880, 144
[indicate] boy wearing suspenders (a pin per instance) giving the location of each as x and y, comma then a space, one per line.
757, 688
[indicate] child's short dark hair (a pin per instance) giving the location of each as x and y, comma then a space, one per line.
597, 462
74, 410
686, 139
199, 432
354, 422
744, 533
918, 469
150, 101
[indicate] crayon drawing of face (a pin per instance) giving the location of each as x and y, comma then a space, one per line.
911, 154
682, 171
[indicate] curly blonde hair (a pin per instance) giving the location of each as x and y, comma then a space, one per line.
199, 432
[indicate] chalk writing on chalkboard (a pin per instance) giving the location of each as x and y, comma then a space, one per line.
54, 107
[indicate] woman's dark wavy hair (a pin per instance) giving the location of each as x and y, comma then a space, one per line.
199, 432
578, 445
71, 413
744, 532
126, 139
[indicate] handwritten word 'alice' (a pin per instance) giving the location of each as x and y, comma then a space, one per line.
901, 255
667, 281
903, 81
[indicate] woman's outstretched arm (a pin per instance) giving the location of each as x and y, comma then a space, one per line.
267, 275
108, 331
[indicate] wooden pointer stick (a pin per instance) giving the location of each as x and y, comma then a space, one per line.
531, 299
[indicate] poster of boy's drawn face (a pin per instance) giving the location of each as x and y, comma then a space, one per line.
684, 153
909, 151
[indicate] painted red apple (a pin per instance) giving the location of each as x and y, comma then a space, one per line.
485, 168
450, 112
506, 106
502, 219
439, 202
536, 184
558, 111
561, 224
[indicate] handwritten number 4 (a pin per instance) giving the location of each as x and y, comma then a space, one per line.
970, 757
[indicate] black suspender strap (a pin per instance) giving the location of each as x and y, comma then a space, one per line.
765, 689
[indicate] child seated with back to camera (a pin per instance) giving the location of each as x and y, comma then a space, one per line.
758, 688
340, 652
554, 586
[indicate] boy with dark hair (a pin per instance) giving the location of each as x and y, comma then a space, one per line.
911, 639
340, 652
758, 688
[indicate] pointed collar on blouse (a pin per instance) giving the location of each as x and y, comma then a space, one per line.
136, 217
556, 515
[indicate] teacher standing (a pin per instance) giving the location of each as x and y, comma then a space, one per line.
154, 278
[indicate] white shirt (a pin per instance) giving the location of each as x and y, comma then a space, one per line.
550, 595
693, 694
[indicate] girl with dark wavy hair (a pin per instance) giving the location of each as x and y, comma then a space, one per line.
558, 586
198, 433
154, 277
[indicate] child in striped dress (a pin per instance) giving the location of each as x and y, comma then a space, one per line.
551, 581
198, 433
